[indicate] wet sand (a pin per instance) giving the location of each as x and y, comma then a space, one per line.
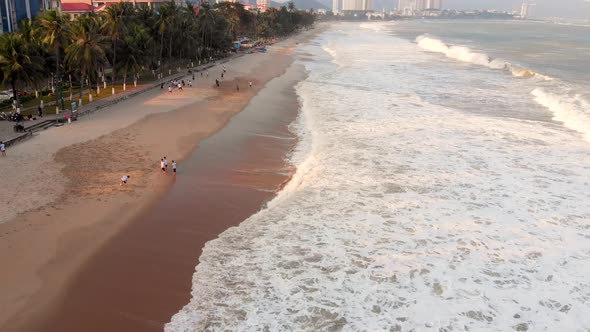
143, 275
93, 256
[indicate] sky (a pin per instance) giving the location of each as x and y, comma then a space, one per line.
579, 9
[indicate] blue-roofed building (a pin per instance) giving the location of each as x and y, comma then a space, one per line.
13, 11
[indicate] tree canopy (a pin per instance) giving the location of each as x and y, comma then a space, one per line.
124, 40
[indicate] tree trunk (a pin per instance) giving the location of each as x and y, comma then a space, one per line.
15, 93
71, 87
170, 48
57, 91
81, 88
161, 55
114, 62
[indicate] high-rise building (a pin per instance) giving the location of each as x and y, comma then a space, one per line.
13, 11
527, 9
357, 5
335, 6
433, 4
414, 7
51, 4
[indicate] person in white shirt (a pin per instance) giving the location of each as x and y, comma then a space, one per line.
174, 167
250, 83
124, 179
3, 148
162, 166
165, 163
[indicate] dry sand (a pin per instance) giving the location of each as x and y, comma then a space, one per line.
60, 194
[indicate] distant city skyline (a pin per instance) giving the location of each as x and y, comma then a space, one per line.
544, 8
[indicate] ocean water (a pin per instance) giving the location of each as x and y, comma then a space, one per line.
442, 184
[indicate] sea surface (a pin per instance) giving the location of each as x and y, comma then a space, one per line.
442, 184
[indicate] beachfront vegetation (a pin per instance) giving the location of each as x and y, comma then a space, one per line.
122, 42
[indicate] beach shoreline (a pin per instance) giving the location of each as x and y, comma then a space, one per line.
45, 248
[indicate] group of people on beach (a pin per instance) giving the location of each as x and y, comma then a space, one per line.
177, 84
164, 166
218, 83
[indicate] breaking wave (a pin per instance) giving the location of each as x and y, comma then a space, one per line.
465, 54
566, 109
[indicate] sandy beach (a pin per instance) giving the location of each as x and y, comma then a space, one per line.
66, 211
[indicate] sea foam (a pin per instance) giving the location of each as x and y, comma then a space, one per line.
573, 111
465, 54
405, 215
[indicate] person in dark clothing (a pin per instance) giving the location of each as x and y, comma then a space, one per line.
40, 111
217, 82
162, 86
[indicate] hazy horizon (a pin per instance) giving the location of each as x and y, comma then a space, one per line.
545, 8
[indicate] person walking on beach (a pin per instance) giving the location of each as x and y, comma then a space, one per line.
179, 87
250, 84
169, 88
165, 163
3, 149
221, 75
201, 75
217, 82
237, 88
124, 179
162, 86
162, 166
40, 111
190, 83
207, 73
173, 167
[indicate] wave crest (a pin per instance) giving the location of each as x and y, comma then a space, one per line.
465, 54
566, 109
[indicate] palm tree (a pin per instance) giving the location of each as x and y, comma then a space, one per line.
19, 62
230, 11
206, 24
86, 52
54, 32
167, 23
135, 52
29, 33
188, 21
114, 25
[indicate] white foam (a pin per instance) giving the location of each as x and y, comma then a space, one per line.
405, 215
465, 54
573, 111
